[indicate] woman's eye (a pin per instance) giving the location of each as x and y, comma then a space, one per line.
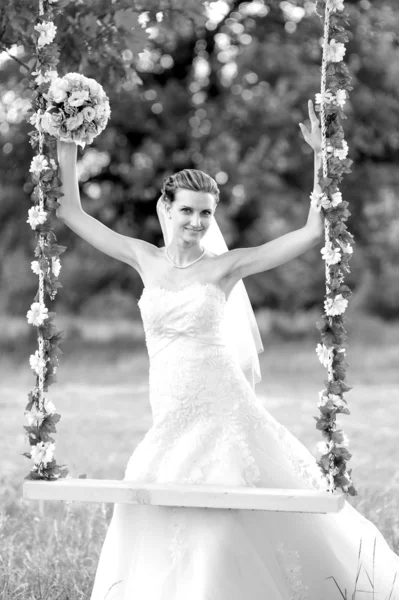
208, 212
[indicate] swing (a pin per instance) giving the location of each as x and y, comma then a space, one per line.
48, 481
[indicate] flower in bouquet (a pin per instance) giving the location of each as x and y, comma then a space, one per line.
77, 109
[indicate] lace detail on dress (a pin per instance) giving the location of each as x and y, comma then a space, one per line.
181, 310
208, 422
302, 461
289, 561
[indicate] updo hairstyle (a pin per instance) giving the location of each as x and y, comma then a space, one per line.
189, 179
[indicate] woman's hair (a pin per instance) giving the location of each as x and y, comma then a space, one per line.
189, 179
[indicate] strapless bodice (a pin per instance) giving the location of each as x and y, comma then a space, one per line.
195, 311
190, 356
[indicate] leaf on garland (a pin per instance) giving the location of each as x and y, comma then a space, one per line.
48, 426
49, 380
325, 181
33, 475
343, 452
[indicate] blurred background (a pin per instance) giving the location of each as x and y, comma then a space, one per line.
221, 88
222, 94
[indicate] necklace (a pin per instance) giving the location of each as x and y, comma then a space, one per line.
183, 266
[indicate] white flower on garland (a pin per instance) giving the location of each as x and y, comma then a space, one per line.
39, 163
322, 447
331, 255
55, 266
35, 266
342, 153
43, 452
37, 364
324, 354
330, 401
334, 5
49, 407
34, 119
335, 51
344, 443
326, 97
36, 216
47, 31
336, 198
318, 200
37, 314
340, 97
323, 399
347, 248
335, 306
35, 418
322, 393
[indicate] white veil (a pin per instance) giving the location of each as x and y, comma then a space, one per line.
240, 327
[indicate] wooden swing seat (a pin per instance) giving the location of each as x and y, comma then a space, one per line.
183, 495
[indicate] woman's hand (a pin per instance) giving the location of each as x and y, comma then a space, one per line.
66, 151
312, 137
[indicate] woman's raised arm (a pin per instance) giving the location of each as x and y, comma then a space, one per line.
121, 247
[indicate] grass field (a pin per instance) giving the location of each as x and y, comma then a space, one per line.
102, 395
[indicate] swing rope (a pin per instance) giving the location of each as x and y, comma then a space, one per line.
323, 118
334, 454
44, 175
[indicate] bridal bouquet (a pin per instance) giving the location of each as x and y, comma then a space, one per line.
77, 109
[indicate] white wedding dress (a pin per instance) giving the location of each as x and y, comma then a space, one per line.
209, 427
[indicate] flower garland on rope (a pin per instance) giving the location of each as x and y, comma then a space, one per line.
73, 108
41, 412
335, 85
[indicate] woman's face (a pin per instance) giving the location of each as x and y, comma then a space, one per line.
191, 213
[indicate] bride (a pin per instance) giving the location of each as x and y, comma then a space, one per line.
209, 427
